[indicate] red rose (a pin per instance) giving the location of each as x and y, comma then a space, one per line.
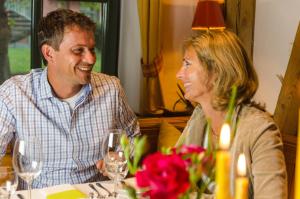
186, 153
165, 176
183, 150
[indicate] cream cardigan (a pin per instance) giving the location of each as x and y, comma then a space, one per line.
258, 137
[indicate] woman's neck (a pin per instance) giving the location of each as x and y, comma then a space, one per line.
216, 117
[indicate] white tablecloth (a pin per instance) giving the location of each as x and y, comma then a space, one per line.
84, 188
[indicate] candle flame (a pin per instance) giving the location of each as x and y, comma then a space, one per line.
241, 165
225, 137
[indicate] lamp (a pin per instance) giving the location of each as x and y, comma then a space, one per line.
208, 15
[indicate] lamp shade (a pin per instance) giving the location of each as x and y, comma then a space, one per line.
208, 15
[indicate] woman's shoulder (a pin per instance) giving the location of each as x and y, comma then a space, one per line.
255, 124
252, 115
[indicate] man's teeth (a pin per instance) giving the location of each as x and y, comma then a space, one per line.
84, 69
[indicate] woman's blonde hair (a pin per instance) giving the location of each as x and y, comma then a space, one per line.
226, 62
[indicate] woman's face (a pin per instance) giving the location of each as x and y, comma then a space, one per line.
194, 78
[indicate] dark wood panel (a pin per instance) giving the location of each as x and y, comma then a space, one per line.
290, 148
286, 112
240, 18
150, 128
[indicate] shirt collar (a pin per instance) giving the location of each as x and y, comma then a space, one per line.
46, 90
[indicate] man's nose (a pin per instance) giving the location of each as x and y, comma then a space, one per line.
90, 57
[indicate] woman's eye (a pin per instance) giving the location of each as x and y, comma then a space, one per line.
186, 63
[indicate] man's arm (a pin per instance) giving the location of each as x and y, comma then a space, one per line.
127, 119
6, 127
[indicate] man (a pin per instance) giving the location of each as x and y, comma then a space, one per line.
66, 105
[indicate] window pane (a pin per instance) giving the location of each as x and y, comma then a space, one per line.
15, 19
97, 11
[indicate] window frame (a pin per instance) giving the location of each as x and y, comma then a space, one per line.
109, 62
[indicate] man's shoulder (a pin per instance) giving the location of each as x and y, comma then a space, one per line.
24, 81
100, 80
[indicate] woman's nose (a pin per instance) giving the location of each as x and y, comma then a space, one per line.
179, 74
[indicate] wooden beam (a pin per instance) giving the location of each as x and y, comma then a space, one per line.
240, 18
286, 112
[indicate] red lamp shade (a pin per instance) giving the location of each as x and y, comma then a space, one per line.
208, 16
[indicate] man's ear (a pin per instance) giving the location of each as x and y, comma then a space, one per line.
47, 52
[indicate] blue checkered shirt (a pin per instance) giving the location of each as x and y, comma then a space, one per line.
71, 140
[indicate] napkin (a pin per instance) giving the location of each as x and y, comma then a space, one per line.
62, 192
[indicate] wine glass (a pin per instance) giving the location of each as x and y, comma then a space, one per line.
115, 163
27, 160
8, 182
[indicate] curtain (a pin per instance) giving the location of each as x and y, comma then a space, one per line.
176, 23
164, 25
149, 15
130, 53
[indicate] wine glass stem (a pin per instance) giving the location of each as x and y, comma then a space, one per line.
29, 190
115, 185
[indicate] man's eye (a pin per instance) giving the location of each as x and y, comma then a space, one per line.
92, 50
78, 50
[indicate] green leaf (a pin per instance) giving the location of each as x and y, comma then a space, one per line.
139, 145
166, 150
131, 191
140, 148
208, 133
124, 141
231, 105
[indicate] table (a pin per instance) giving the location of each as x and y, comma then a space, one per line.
84, 188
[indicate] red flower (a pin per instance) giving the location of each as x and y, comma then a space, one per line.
186, 152
165, 176
183, 150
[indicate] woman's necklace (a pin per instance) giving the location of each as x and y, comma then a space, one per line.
214, 133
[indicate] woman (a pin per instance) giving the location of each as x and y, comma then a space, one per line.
213, 62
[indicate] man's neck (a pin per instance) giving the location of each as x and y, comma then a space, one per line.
62, 90
64, 93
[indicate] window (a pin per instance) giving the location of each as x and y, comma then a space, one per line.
19, 20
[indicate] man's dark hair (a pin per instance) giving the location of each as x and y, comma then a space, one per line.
52, 27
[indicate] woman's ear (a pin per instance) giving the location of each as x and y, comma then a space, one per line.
47, 52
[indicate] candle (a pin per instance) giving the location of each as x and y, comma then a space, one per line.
297, 176
223, 165
225, 137
241, 183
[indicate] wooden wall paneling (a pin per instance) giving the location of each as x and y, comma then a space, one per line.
289, 149
240, 18
151, 127
286, 112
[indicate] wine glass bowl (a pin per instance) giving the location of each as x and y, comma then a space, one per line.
8, 182
115, 163
27, 160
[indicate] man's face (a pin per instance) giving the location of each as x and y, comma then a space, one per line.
73, 62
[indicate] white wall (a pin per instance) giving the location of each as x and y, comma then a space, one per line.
276, 23
130, 53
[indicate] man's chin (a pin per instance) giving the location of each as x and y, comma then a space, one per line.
84, 81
